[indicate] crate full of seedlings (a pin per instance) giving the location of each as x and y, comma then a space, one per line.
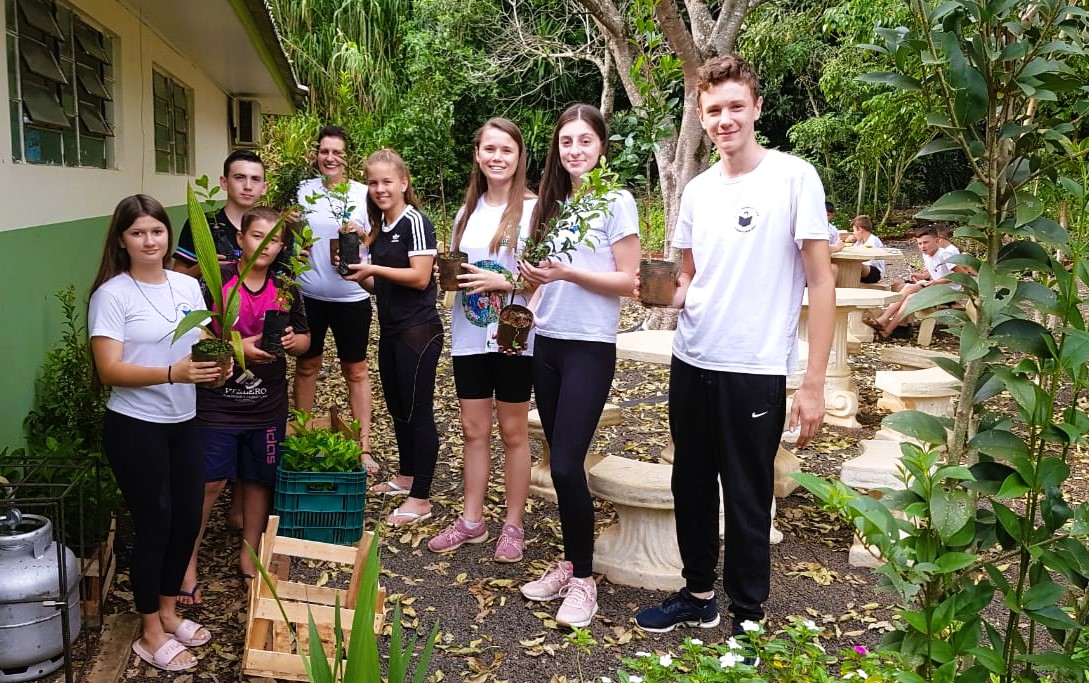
321, 486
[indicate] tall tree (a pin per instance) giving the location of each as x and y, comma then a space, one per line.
705, 29
345, 50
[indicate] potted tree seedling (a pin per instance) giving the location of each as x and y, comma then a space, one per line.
569, 228
221, 340
276, 320
348, 241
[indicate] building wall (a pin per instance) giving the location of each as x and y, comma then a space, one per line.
54, 218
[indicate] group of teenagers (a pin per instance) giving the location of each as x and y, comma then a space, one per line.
752, 232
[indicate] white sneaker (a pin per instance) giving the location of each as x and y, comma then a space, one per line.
551, 585
580, 605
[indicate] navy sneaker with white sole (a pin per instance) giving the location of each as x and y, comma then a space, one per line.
679, 609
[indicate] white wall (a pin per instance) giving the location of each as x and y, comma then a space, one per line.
33, 194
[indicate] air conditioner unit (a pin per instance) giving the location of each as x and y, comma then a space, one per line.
245, 122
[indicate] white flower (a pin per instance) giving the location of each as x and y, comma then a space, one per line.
821, 648
642, 654
635, 679
808, 623
728, 660
860, 673
695, 641
606, 679
733, 644
749, 626
848, 675
665, 660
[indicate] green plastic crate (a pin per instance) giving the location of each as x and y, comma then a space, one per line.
321, 506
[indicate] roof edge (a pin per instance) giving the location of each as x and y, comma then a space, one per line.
260, 24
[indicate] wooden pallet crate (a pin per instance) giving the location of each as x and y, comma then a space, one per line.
98, 572
269, 650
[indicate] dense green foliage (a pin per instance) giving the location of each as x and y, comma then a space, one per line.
983, 522
316, 449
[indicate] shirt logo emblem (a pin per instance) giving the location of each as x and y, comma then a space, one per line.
396, 238
746, 219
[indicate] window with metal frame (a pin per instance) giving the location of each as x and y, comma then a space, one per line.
60, 85
171, 124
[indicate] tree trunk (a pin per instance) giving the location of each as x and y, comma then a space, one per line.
694, 37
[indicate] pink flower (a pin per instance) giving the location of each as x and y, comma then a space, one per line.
861, 650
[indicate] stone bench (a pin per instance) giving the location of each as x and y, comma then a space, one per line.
640, 549
540, 475
930, 390
913, 357
876, 467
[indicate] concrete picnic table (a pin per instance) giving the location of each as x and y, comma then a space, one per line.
850, 260
840, 391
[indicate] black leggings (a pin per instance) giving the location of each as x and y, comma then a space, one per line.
571, 380
407, 362
160, 470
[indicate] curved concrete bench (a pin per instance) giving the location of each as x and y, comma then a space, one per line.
930, 391
640, 549
876, 467
540, 475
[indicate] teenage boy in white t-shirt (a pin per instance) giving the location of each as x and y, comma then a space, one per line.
935, 258
754, 213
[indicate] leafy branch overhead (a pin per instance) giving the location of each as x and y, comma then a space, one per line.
570, 227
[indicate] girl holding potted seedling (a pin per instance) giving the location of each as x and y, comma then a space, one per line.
334, 204
150, 432
574, 353
402, 247
489, 227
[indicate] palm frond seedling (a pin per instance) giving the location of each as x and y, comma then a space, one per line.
221, 340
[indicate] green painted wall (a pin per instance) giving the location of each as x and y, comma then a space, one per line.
38, 262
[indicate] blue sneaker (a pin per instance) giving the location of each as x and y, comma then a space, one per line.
679, 609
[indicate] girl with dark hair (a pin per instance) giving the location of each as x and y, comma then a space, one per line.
330, 302
149, 433
575, 353
488, 227
402, 247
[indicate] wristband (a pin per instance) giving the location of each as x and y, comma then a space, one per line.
169, 369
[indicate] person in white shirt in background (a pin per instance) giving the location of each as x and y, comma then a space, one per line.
862, 228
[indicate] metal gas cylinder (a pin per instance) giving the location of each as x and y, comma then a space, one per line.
31, 637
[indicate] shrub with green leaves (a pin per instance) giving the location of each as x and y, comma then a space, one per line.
315, 449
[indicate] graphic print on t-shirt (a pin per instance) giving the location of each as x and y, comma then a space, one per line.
746, 219
482, 309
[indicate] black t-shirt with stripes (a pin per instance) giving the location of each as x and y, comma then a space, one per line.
400, 307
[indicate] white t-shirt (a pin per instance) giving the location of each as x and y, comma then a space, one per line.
741, 310
143, 318
474, 317
936, 265
874, 242
322, 280
567, 311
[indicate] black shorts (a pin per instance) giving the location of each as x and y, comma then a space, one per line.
350, 322
872, 277
242, 454
484, 375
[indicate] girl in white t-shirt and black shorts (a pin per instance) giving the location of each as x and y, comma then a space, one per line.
489, 227
574, 355
150, 431
331, 302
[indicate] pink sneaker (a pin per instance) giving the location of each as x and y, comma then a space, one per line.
509, 546
456, 535
580, 605
552, 584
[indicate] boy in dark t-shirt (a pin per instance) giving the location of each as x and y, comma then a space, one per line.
243, 422
244, 182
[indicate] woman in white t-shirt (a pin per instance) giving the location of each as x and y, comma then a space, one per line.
574, 355
331, 301
150, 432
493, 220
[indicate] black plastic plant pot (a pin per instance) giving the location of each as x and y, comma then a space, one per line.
273, 331
515, 322
450, 266
349, 251
219, 351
